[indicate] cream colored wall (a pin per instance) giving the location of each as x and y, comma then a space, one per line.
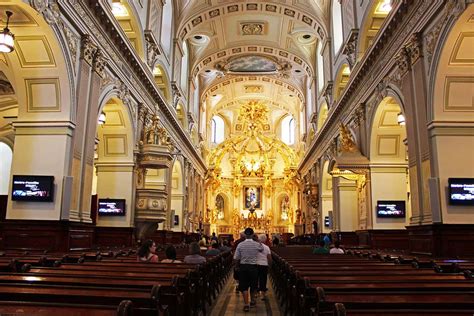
452, 116
177, 206
389, 184
455, 159
116, 182
33, 153
5, 166
348, 205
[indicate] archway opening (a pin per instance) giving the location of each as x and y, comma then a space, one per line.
389, 167
177, 197
341, 81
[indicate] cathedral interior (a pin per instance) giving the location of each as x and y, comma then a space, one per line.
124, 119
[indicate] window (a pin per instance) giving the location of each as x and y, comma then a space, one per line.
217, 130
184, 68
288, 130
166, 27
320, 67
336, 26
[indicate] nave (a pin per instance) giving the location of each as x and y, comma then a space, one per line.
230, 302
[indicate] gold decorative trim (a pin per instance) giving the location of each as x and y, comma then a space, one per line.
107, 151
30, 98
456, 79
380, 138
382, 119
120, 116
453, 60
31, 64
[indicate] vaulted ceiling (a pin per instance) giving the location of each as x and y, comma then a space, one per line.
260, 50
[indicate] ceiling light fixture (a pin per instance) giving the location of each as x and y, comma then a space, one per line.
400, 119
102, 118
7, 38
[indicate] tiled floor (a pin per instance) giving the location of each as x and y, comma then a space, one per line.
230, 302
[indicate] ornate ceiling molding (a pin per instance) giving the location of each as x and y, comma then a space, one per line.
208, 62
251, 78
194, 21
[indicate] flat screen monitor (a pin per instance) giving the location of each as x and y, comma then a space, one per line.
33, 188
461, 191
111, 207
391, 209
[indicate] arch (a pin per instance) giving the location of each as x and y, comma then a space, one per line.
181, 114
322, 115
128, 19
386, 135
31, 74
114, 158
327, 206
341, 80
6, 156
187, 25
389, 162
177, 193
372, 21
450, 107
162, 81
337, 34
167, 27
208, 61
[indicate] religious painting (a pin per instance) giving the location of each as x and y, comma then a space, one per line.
253, 197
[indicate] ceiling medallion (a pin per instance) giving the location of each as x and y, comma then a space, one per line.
252, 28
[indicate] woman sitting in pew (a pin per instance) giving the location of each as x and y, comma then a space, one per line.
336, 250
146, 253
194, 256
321, 249
170, 255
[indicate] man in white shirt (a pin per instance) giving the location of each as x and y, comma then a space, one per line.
336, 250
246, 257
264, 258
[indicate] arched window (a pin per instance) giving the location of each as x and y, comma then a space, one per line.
288, 130
319, 59
217, 129
166, 27
6, 155
184, 68
336, 26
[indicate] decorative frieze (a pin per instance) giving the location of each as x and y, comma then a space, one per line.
350, 48
414, 47
48, 8
152, 50
99, 63
88, 49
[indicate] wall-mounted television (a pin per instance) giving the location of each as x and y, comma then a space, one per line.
461, 191
33, 188
391, 209
111, 207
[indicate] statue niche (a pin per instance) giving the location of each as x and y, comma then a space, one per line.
156, 134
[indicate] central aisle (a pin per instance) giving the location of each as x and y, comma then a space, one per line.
230, 302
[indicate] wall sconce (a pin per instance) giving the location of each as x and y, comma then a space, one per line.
7, 38
400, 119
102, 118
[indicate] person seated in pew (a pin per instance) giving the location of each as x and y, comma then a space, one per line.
214, 251
194, 256
170, 255
225, 246
321, 249
146, 252
202, 245
336, 250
